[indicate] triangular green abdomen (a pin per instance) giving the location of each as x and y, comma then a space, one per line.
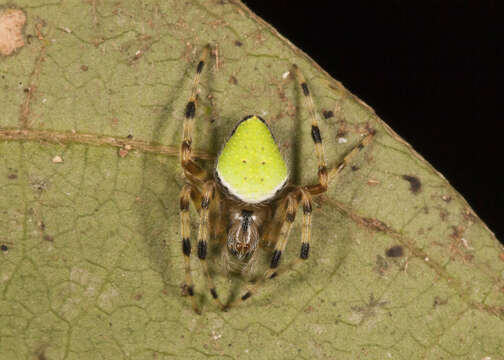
250, 165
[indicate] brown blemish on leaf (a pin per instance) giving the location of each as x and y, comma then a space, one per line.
369, 310
238, 43
11, 25
372, 182
374, 224
443, 214
123, 152
84, 68
341, 131
12, 176
459, 246
469, 216
39, 185
327, 114
24, 110
48, 238
381, 265
308, 309
233, 80
438, 301
415, 184
395, 251
40, 353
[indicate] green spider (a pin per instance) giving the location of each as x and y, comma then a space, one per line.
248, 196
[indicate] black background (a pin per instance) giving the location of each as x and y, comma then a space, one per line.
431, 70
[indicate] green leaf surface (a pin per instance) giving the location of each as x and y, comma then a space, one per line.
91, 264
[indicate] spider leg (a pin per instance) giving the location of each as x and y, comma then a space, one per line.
315, 132
291, 203
192, 170
188, 192
323, 175
348, 157
209, 195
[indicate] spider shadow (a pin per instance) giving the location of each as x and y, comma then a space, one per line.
156, 208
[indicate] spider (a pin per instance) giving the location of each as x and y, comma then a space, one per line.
248, 197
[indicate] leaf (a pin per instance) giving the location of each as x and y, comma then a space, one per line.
91, 265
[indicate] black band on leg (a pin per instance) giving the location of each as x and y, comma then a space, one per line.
305, 251
202, 249
275, 259
186, 246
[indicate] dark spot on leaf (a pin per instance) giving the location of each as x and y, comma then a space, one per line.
341, 133
4, 248
84, 67
438, 301
354, 168
238, 43
12, 176
48, 237
26, 90
41, 356
130, 136
233, 80
327, 114
395, 251
415, 184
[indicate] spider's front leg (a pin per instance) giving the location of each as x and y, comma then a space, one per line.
192, 170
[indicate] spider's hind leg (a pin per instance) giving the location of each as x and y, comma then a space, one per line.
315, 132
324, 176
210, 195
290, 204
188, 193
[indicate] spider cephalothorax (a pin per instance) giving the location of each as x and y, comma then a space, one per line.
248, 195
243, 234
